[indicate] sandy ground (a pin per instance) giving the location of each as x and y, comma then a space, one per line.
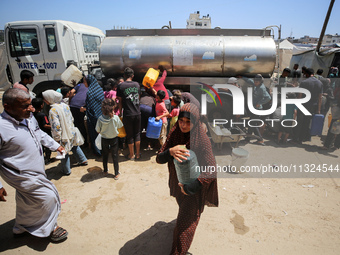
136, 215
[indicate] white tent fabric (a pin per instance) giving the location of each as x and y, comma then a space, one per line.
285, 53
287, 45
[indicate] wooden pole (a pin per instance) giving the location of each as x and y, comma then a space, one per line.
324, 26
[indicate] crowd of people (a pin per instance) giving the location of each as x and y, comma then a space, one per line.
325, 96
75, 118
77, 115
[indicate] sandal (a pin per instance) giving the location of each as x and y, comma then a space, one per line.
59, 234
140, 155
259, 143
128, 158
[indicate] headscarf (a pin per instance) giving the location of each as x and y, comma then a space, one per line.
189, 98
54, 99
197, 141
52, 96
17, 85
94, 98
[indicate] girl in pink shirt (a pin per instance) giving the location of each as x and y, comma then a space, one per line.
162, 113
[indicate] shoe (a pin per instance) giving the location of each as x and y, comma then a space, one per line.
116, 177
85, 163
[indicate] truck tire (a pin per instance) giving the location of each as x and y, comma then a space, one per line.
45, 85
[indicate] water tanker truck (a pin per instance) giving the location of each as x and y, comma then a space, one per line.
185, 53
190, 56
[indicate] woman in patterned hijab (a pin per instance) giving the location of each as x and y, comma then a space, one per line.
203, 191
63, 130
94, 99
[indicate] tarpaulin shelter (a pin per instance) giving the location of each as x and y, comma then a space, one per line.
326, 58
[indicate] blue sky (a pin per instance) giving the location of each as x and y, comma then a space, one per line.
298, 18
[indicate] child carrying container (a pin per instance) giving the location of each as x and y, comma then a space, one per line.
175, 102
162, 113
107, 126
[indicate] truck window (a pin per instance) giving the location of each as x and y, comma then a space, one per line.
23, 42
91, 43
51, 40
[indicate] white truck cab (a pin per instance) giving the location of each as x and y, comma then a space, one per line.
45, 47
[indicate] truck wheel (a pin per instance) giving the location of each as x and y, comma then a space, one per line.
45, 85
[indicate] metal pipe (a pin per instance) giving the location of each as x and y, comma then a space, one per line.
325, 25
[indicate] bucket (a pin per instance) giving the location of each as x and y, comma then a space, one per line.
71, 73
150, 78
239, 157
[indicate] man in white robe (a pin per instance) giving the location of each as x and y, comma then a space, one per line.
22, 167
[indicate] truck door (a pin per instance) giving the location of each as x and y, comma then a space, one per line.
24, 45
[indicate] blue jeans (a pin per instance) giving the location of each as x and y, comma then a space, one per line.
91, 127
65, 162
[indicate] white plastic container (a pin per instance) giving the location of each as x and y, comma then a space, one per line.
239, 157
71, 73
60, 155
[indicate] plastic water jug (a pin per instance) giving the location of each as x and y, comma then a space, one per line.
121, 131
187, 170
71, 73
317, 124
329, 120
150, 78
154, 128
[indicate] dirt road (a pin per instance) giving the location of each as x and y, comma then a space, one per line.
135, 215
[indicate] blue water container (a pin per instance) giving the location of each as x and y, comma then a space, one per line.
154, 128
187, 170
317, 124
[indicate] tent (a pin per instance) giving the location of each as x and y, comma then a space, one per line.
285, 53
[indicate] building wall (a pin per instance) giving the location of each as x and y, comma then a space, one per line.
195, 21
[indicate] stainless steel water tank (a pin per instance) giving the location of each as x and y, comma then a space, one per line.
189, 56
